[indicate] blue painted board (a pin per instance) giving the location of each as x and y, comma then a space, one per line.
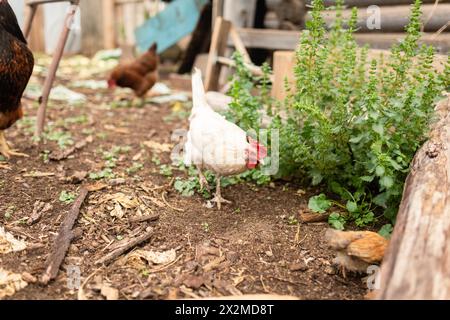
170, 25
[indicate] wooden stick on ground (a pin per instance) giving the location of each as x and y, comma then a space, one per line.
63, 239
125, 246
309, 217
148, 217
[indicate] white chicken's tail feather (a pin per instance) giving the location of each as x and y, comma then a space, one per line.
198, 91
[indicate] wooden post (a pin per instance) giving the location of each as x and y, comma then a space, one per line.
218, 46
30, 13
35, 36
240, 47
418, 256
109, 24
217, 10
283, 68
91, 26
54, 66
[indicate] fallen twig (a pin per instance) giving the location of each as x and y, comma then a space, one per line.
124, 247
163, 196
63, 239
308, 217
39, 209
64, 154
81, 295
148, 217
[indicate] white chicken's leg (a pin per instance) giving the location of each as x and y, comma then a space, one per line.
218, 196
5, 150
202, 180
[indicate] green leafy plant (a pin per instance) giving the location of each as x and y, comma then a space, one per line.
386, 231
319, 204
62, 138
353, 126
136, 166
106, 173
67, 197
337, 221
166, 170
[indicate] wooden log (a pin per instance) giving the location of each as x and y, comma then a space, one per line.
366, 3
288, 40
283, 66
109, 24
416, 262
291, 14
385, 41
36, 37
91, 27
217, 49
394, 18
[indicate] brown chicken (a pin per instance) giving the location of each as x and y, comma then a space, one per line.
139, 75
16, 67
356, 250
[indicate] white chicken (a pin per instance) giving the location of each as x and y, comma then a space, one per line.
215, 144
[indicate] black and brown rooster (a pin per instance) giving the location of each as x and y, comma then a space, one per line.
16, 67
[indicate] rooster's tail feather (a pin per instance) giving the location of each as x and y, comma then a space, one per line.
198, 90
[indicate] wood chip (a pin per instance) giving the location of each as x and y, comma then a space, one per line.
146, 218
39, 209
64, 154
109, 293
63, 239
124, 246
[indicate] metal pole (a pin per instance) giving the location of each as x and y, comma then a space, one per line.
53, 67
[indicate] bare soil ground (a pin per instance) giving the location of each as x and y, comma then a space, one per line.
252, 246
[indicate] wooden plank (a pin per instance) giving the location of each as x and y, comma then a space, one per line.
257, 71
217, 49
36, 37
288, 40
239, 45
109, 24
91, 27
283, 68
416, 263
366, 3
268, 38
394, 18
217, 10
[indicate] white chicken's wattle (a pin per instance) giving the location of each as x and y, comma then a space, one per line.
215, 144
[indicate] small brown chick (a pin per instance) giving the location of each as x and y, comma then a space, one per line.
356, 250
